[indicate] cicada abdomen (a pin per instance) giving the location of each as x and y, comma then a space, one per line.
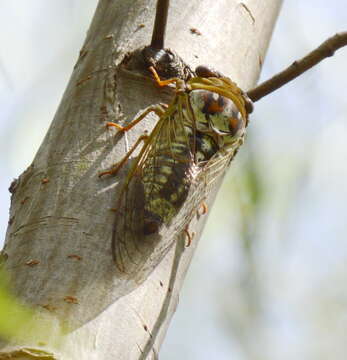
188, 150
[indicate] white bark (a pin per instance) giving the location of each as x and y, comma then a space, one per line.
68, 213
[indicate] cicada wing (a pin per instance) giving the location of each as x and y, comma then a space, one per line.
126, 230
213, 170
136, 250
207, 176
135, 253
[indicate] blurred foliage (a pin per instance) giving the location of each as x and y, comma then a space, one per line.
249, 196
13, 315
23, 325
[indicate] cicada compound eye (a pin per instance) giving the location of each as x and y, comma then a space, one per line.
206, 72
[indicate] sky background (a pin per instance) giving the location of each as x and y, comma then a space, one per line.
268, 278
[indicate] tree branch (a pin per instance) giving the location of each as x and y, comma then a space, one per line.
159, 28
326, 49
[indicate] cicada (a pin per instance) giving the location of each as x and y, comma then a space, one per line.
188, 150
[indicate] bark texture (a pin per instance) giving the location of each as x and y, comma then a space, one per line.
58, 241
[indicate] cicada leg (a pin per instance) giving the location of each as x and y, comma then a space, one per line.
116, 168
203, 209
160, 82
159, 109
190, 236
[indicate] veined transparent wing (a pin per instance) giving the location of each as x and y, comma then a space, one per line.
153, 194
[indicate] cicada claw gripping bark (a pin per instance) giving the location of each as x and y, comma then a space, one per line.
183, 157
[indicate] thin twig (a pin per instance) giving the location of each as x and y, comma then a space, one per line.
159, 28
326, 49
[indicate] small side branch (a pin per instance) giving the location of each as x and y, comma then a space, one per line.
158, 35
326, 49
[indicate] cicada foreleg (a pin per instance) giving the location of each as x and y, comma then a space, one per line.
162, 82
159, 109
